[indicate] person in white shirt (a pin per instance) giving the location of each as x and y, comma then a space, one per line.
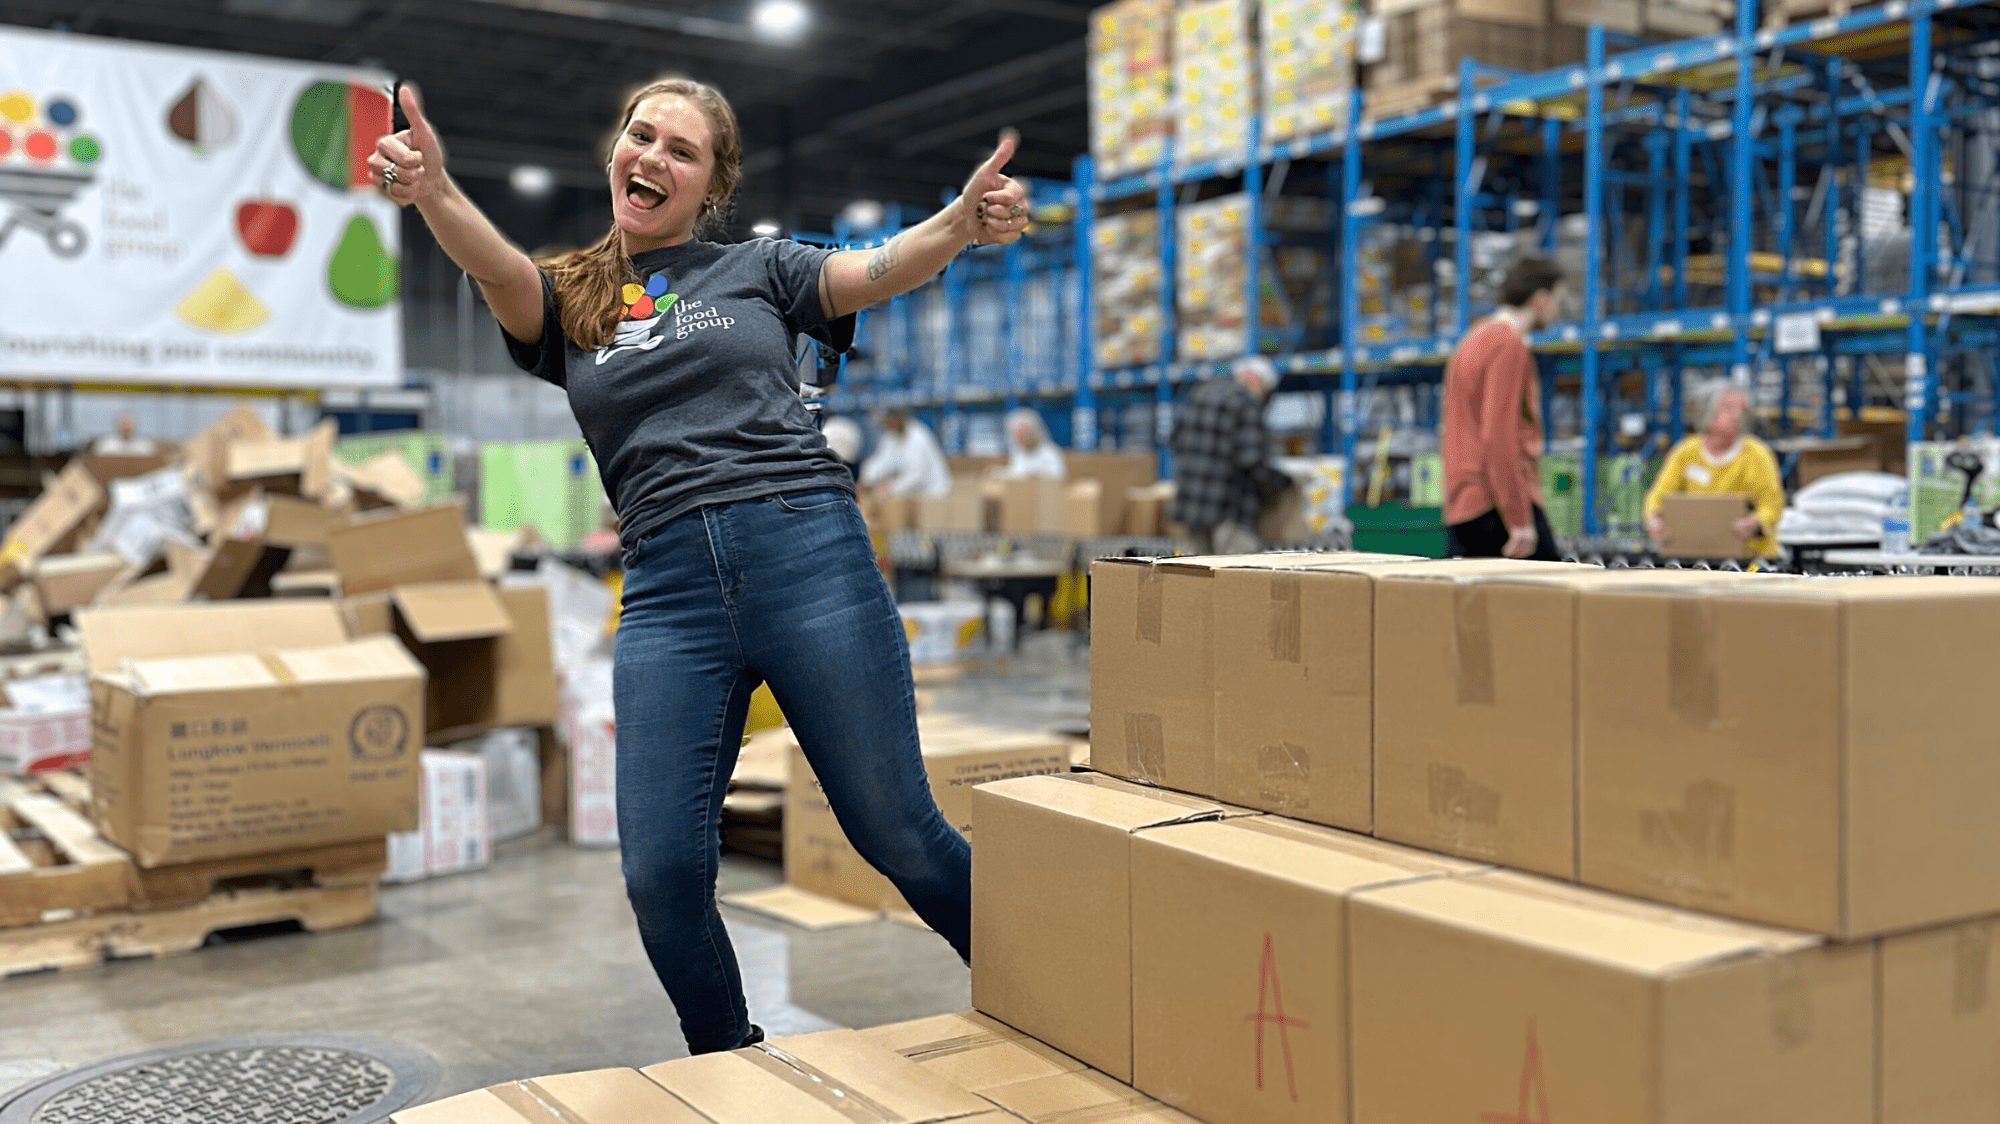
908, 462
126, 442
1030, 452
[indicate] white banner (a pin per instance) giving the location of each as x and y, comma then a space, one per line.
191, 217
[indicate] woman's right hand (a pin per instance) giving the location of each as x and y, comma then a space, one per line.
1657, 527
409, 166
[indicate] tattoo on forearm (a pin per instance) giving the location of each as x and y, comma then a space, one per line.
885, 259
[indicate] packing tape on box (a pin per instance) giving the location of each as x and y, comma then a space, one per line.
958, 1044
1472, 643
1207, 808
1150, 605
533, 1103
1146, 747
1285, 594
821, 1085
1691, 659
1703, 828
1284, 777
1972, 953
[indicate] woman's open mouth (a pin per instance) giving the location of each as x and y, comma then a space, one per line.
644, 193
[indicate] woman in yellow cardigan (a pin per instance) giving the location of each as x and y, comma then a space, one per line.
1722, 458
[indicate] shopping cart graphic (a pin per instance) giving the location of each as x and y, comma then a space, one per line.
35, 197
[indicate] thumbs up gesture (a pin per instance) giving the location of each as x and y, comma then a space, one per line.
409, 166
994, 208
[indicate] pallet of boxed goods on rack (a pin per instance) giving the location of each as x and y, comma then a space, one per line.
1214, 88
1306, 51
1209, 264
1423, 40
1126, 289
1131, 84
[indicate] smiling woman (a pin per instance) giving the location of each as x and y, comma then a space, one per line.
746, 560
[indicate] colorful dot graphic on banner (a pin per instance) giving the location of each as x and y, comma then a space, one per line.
362, 273
334, 129
42, 142
222, 305
650, 299
201, 118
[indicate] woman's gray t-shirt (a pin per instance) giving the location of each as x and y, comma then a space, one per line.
697, 399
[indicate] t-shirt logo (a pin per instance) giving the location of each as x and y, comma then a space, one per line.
645, 306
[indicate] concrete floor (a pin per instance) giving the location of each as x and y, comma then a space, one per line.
532, 966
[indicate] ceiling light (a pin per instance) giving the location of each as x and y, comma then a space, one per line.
765, 228
780, 19
532, 180
863, 214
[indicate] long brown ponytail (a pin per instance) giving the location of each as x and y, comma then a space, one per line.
587, 280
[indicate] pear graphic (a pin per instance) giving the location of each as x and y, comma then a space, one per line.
362, 273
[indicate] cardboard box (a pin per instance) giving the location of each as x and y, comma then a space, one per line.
1239, 970
602, 1096
1295, 688
1621, 16
1051, 907
1085, 1095
814, 1079
1152, 685
963, 510
820, 859
46, 724
383, 550
1835, 455
386, 480
589, 729
51, 522
885, 515
1035, 506
1474, 709
1700, 525
1940, 1026
221, 730
1146, 510
1083, 510
1801, 753
453, 834
301, 466
973, 1051
1500, 997
65, 582
1116, 475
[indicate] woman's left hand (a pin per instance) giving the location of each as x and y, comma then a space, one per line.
993, 207
1749, 526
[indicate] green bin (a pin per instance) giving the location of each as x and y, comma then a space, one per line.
1400, 530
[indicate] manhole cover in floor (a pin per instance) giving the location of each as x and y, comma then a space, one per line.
328, 1080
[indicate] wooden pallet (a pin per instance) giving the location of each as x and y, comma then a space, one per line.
335, 865
86, 941
53, 865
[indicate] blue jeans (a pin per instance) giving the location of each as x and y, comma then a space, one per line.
782, 590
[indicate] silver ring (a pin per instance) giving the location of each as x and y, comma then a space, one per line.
389, 175
1017, 210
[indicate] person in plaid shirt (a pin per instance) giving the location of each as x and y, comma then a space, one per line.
1222, 469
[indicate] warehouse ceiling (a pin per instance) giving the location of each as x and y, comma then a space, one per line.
885, 100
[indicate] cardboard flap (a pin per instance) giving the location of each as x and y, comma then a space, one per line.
316, 459
385, 479
113, 635
259, 460
381, 551
464, 610
602, 1096
378, 657
200, 673
66, 565
291, 521
1105, 800
494, 550
834, 1077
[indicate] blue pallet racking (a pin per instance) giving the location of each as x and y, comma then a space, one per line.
1664, 149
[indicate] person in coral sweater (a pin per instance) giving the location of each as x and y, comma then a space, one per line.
1492, 435
1722, 458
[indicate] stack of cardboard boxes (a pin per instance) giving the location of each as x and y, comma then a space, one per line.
1215, 92
1783, 755
1307, 65
1096, 499
1125, 288
1423, 40
230, 706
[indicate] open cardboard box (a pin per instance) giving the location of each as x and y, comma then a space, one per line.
413, 574
220, 730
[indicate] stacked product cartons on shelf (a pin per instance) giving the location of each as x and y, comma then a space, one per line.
1308, 65
1131, 82
1210, 276
1126, 288
1214, 90
1686, 19
1422, 41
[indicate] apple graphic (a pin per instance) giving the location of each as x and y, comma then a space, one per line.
267, 226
